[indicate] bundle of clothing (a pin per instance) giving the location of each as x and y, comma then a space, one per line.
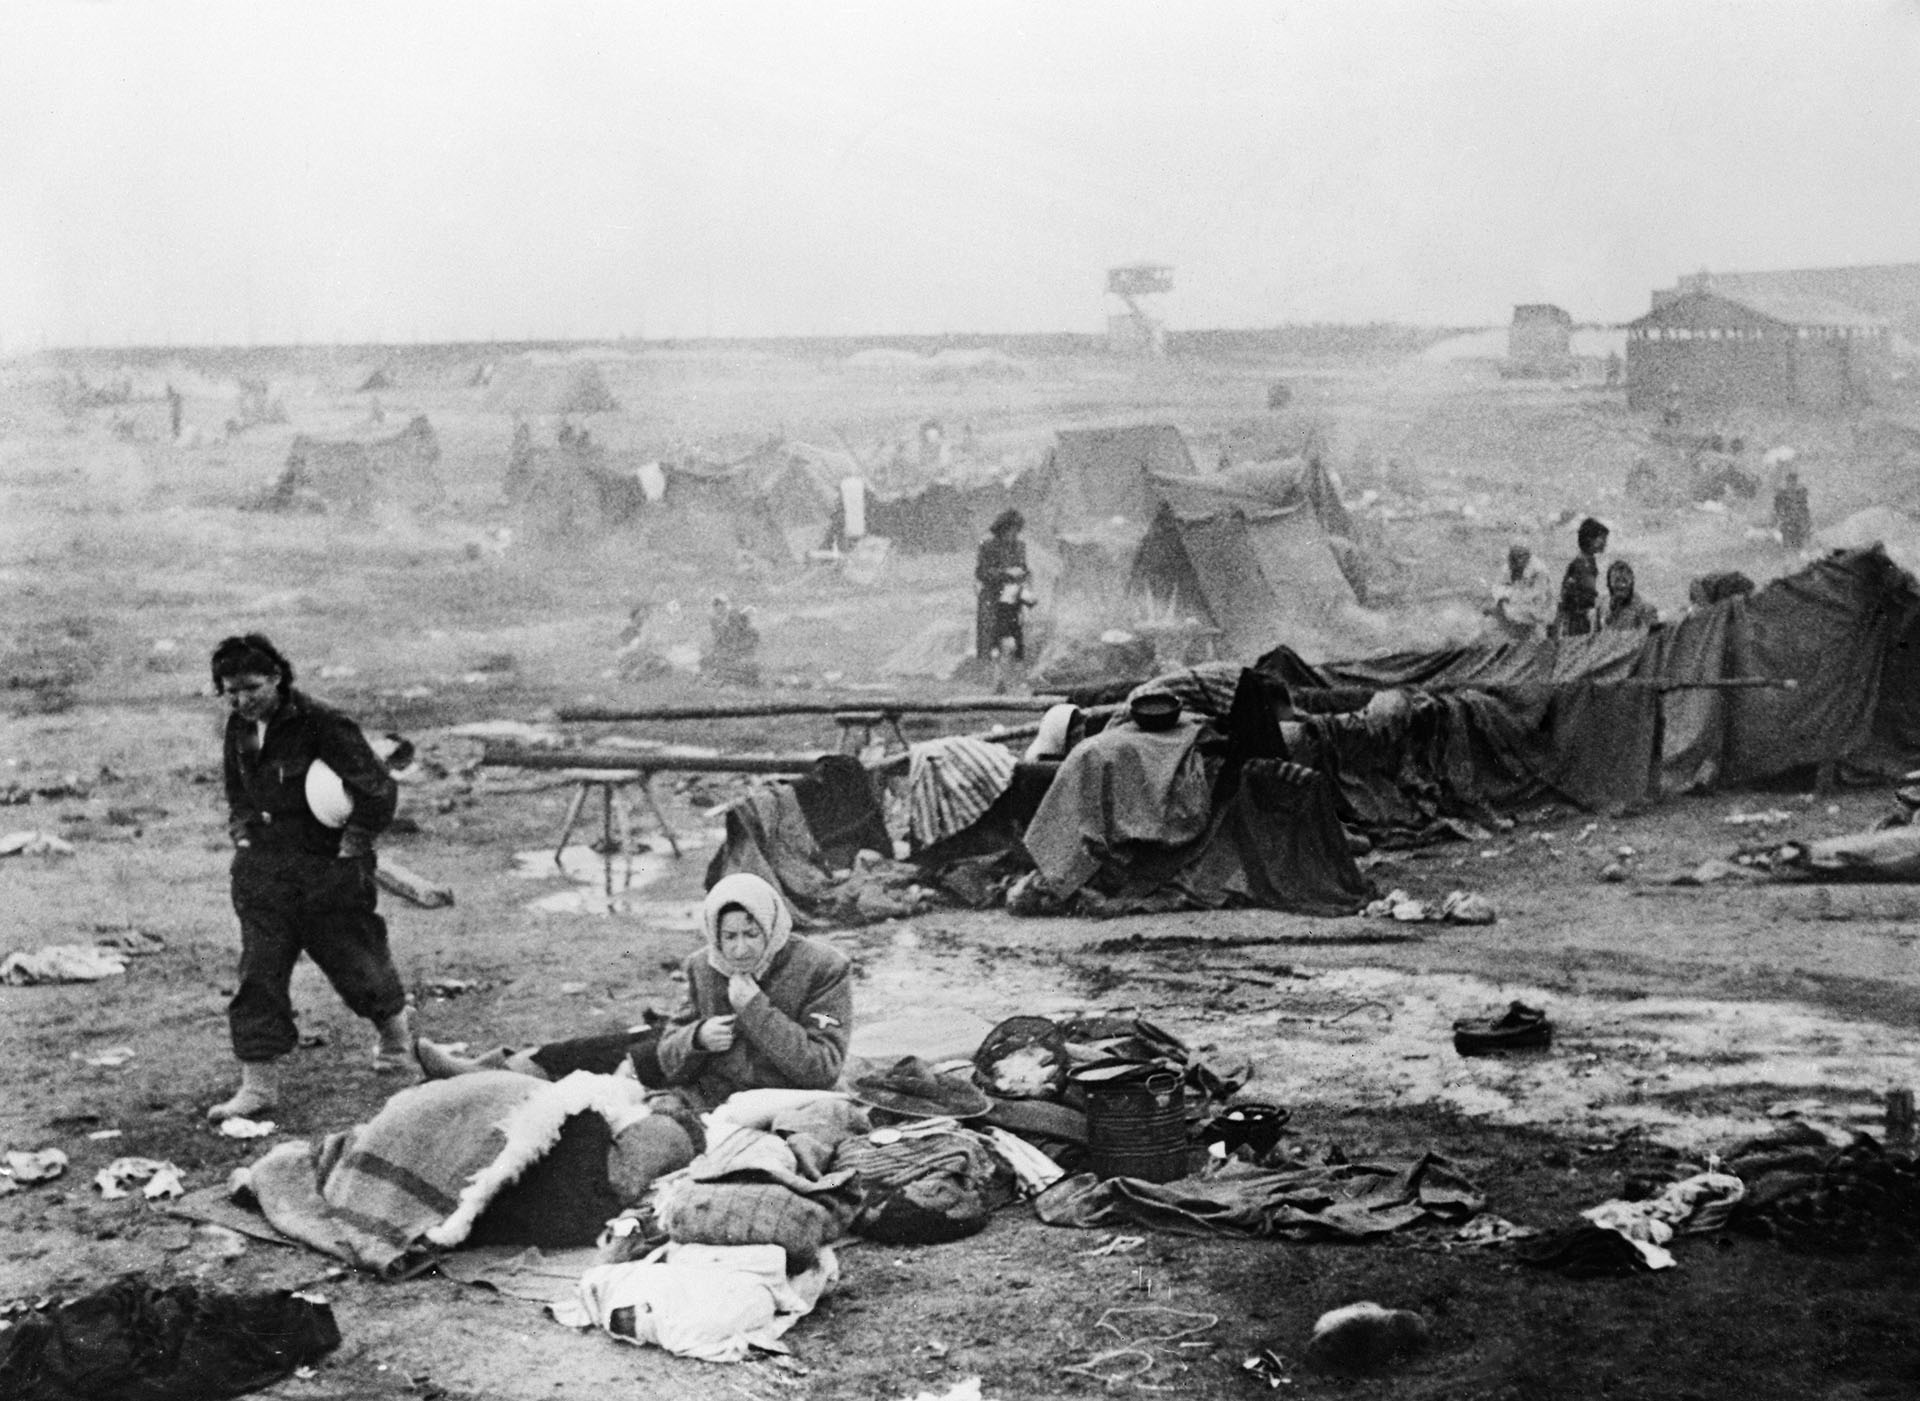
488, 1158
821, 840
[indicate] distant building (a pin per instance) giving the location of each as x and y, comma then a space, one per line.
1890, 290
1708, 350
1540, 340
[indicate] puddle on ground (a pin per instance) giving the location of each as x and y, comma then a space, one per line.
1690, 1072
607, 884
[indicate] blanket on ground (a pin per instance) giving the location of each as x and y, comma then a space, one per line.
421, 1172
1348, 1201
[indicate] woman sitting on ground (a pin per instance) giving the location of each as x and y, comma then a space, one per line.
766, 1009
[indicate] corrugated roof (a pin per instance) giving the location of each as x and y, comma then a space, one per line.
1798, 310
1715, 308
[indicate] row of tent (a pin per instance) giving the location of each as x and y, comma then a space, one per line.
1823, 667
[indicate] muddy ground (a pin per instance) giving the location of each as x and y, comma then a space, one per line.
1687, 1017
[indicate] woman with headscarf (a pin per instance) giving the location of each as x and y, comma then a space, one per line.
1625, 608
766, 1008
1000, 572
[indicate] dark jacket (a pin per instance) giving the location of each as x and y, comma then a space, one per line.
993, 564
792, 1037
267, 792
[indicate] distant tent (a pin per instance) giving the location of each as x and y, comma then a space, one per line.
520, 386
1263, 579
714, 508
378, 379
353, 474
1282, 485
1094, 474
949, 517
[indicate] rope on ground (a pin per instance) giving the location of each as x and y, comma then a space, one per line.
1145, 1347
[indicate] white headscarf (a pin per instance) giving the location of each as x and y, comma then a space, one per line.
758, 899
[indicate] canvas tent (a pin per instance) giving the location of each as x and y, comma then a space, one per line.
1095, 474
1609, 722
950, 517
523, 387
692, 510
353, 474
1262, 578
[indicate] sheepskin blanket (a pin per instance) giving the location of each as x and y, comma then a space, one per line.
422, 1171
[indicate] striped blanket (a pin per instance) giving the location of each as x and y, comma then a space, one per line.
423, 1169
951, 782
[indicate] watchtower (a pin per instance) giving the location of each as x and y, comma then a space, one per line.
1135, 331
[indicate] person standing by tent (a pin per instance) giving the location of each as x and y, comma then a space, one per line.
1523, 607
1580, 586
1792, 513
1000, 572
303, 866
1625, 608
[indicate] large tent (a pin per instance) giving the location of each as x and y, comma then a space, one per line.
1095, 474
948, 517
524, 387
1826, 666
1262, 578
354, 474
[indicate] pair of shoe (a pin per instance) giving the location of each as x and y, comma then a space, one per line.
1519, 1028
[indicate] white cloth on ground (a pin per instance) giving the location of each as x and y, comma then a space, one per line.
711, 1302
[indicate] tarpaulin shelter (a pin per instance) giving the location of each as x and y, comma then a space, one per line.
355, 473
950, 517
1094, 474
1282, 485
1262, 579
1611, 720
522, 386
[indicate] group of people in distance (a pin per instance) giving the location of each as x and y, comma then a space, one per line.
307, 796
1526, 604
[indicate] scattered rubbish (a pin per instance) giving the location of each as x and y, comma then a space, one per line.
162, 1179
1519, 1028
1714, 870
237, 1127
1770, 818
111, 1059
222, 1242
1365, 1337
1587, 831
62, 963
1270, 1367
101, 1135
1459, 907
128, 939
1488, 1230
41, 1166
1613, 872
449, 988
1465, 907
313, 1040
966, 1390
34, 844
1119, 1245
1625, 853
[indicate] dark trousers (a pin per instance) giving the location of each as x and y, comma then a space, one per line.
603, 1054
290, 903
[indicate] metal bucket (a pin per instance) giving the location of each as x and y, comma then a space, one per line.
1136, 1121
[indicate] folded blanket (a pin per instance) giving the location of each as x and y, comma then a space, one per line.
420, 1173
1330, 1201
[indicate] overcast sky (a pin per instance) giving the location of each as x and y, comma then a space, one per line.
249, 172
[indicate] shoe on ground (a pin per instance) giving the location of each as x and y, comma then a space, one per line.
1519, 1028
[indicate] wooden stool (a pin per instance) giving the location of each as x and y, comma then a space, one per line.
866, 722
616, 816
